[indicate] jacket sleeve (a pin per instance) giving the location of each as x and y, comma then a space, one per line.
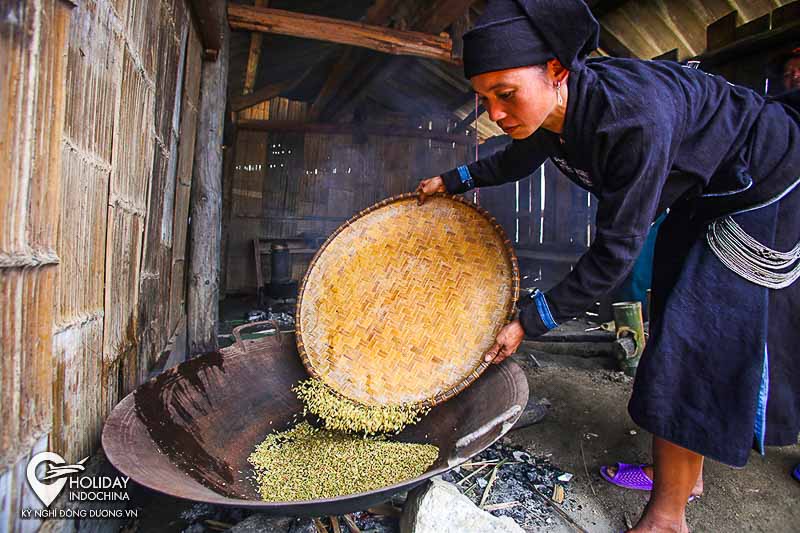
518, 160
634, 168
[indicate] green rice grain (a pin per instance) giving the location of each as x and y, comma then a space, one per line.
306, 463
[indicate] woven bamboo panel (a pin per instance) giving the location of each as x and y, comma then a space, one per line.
402, 301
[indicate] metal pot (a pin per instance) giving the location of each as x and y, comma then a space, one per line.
189, 431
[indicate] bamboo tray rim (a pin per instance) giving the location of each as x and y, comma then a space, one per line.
510, 255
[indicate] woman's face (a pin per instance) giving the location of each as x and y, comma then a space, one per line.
519, 100
791, 74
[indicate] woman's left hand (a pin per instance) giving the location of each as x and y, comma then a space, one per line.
506, 343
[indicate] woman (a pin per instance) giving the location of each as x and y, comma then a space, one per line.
719, 373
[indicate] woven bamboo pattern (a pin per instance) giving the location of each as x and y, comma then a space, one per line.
402, 301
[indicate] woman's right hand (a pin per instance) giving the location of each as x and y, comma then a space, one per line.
429, 187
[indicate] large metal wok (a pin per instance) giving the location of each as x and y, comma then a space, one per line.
189, 431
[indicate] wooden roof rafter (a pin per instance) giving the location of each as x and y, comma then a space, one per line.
435, 18
254, 55
346, 67
382, 39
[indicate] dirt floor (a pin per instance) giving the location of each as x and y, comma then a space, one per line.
588, 426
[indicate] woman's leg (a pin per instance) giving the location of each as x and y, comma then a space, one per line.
676, 471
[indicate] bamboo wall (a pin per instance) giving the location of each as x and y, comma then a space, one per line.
97, 162
287, 185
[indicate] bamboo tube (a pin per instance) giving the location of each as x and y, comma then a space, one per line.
630, 335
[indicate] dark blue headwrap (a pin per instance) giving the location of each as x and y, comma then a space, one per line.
519, 33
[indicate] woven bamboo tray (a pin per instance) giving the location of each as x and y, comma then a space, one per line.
401, 302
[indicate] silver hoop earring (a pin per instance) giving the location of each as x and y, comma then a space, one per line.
558, 93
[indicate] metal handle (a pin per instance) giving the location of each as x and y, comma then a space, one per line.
238, 329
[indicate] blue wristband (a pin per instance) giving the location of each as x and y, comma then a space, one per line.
544, 310
466, 178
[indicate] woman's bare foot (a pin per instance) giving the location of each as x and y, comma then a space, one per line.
653, 523
697, 491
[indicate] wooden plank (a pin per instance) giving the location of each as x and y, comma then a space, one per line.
167, 67
186, 150
602, 7
439, 14
77, 416
351, 60
212, 25
386, 40
141, 19
123, 252
754, 44
379, 68
669, 55
333, 128
786, 14
754, 27
550, 214
16, 493
132, 167
254, 55
32, 95
206, 203
523, 214
267, 92
257, 257
83, 207
722, 32
93, 84
613, 46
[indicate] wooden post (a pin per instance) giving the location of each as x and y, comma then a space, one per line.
229, 158
206, 201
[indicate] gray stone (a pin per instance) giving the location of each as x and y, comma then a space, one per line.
439, 507
303, 525
263, 523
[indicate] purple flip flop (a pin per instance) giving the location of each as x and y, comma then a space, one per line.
628, 477
796, 473
633, 477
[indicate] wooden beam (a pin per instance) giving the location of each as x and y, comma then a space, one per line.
335, 128
601, 7
751, 45
267, 92
722, 31
254, 56
434, 19
613, 46
786, 14
669, 55
202, 301
263, 93
440, 14
210, 24
466, 123
379, 15
386, 40
754, 27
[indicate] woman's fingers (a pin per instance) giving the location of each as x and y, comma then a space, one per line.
421, 193
506, 343
429, 187
492, 352
502, 355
